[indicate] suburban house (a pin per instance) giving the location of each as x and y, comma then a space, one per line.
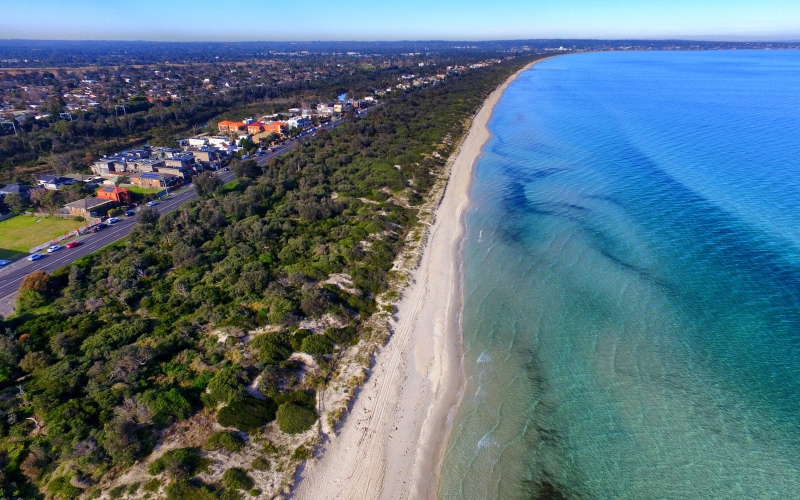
207, 157
86, 179
342, 107
299, 122
53, 182
325, 108
19, 189
229, 126
155, 180
115, 194
255, 128
88, 207
197, 142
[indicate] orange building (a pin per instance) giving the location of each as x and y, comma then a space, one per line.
229, 126
276, 128
255, 127
117, 194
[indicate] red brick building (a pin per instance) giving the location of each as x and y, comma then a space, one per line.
117, 194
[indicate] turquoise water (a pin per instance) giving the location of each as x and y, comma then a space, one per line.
632, 283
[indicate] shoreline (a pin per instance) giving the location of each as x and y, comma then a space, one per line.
393, 442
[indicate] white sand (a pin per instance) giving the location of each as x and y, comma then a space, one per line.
391, 444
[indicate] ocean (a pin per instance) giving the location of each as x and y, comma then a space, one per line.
632, 283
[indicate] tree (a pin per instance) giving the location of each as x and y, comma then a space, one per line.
15, 203
38, 281
206, 184
247, 168
147, 215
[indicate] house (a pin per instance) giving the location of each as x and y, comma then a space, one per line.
106, 166
196, 142
229, 126
86, 179
298, 122
342, 107
207, 157
255, 128
325, 108
53, 182
19, 189
155, 180
115, 194
88, 207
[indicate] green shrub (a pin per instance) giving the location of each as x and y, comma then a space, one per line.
294, 419
341, 336
60, 488
271, 348
183, 490
255, 493
133, 488
296, 340
225, 386
303, 398
301, 453
182, 463
227, 441
260, 463
166, 406
317, 345
237, 479
116, 492
248, 414
151, 485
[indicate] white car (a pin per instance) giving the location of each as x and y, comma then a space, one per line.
152, 203
112, 220
35, 256
54, 248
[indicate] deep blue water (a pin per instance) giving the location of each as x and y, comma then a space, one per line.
632, 282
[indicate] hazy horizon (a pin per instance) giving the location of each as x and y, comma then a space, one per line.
414, 20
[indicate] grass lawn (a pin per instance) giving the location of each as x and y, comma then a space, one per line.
21, 233
141, 190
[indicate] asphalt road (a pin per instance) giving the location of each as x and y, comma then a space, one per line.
11, 276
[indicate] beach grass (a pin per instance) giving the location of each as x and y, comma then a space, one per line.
21, 233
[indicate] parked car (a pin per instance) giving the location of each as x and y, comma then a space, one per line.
130, 213
35, 256
54, 248
4, 263
112, 220
152, 203
72, 244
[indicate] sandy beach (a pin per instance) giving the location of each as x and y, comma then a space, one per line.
391, 444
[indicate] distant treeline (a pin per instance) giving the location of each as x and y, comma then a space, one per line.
55, 53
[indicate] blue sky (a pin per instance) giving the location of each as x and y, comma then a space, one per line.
399, 20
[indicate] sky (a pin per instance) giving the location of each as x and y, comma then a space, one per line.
303, 20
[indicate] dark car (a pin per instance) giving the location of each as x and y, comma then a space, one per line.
100, 227
129, 213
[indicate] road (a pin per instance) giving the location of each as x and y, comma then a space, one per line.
11, 276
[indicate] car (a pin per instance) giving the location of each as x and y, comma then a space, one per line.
112, 220
99, 227
152, 203
54, 248
259, 153
4, 263
35, 256
271, 150
226, 169
129, 213
72, 244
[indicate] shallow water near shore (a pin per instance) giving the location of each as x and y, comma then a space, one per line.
632, 283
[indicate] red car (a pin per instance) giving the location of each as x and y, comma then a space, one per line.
72, 244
